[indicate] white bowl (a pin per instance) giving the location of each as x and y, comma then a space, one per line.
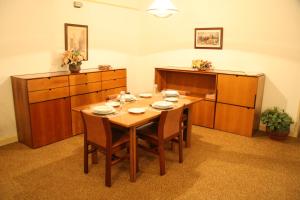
171, 93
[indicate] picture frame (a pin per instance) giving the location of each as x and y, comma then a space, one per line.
208, 38
76, 38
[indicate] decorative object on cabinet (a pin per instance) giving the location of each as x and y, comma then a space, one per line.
162, 8
277, 123
104, 67
76, 38
201, 64
74, 59
43, 102
231, 100
208, 38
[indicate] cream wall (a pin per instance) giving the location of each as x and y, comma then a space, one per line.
258, 36
32, 39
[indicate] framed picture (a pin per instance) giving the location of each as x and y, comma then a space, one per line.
209, 38
76, 38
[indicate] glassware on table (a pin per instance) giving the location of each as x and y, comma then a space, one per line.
155, 89
122, 99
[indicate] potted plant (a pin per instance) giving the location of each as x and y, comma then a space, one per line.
277, 123
74, 59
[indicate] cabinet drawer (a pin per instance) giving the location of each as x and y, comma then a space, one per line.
113, 74
85, 88
47, 83
237, 90
44, 95
85, 78
106, 93
203, 113
113, 83
234, 119
84, 99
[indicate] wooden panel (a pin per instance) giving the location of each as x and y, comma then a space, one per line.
234, 119
237, 90
196, 84
44, 95
79, 100
203, 113
20, 95
113, 74
85, 88
50, 121
84, 78
47, 83
113, 83
106, 93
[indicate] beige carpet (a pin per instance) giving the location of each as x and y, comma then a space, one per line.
218, 166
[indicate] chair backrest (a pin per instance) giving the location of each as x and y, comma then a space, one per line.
170, 123
96, 129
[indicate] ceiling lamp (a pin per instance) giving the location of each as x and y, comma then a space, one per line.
162, 8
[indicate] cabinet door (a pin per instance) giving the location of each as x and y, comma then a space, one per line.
234, 119
203, 113
237, 90
50, 121
80, 100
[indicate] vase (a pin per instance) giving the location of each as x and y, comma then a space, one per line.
278, 135
74, 68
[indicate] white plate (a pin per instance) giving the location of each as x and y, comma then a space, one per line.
162, 105
113, 103
136, 110
103, 110
145, 95
171, 99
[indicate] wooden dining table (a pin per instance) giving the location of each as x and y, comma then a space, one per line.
131, 121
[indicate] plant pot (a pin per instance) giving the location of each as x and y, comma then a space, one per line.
74, 68
277, 135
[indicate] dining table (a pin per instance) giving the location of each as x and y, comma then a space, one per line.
131, 121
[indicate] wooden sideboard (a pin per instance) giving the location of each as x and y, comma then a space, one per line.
43, 102
232, 100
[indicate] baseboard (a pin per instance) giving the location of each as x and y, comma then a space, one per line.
8, 139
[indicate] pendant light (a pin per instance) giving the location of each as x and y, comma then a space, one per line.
162, 8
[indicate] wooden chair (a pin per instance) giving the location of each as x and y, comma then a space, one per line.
167, 129
99, 135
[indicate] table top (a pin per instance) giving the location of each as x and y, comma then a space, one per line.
123, 118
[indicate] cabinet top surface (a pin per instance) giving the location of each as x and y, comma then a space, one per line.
211, 72
61, 73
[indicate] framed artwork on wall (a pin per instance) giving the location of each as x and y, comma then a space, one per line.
76, 38
208, 38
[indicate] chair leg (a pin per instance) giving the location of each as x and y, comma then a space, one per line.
108, 169
180, 147
137, 157
85, 157
162, 161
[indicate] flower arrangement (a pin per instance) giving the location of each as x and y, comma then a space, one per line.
72, 57
201, 64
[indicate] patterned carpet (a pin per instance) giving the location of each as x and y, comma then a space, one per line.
218, 166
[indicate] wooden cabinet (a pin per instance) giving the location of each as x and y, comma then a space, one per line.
231, 100
203, 113
237, 90
50, 121
43, 102
234, 119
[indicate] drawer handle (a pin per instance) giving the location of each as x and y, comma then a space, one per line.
49, 77
50, 89
85, 74
86, 83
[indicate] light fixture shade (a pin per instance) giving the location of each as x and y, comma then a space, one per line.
162, 8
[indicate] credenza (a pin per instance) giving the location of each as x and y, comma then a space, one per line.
43, 102
231, 100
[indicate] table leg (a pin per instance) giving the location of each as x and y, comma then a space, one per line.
132, 132
189, 127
